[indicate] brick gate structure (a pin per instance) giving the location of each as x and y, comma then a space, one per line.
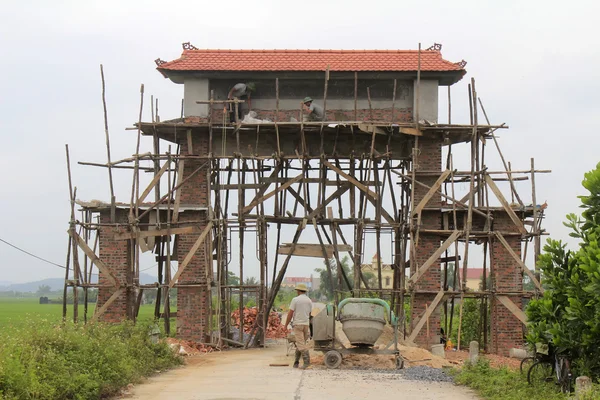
377, 163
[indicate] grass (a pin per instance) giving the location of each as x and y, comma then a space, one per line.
16, 311
41, 358
505, 384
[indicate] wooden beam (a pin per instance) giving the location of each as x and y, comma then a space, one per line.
519, 262
158, 232
517, 221
430, 309
328, 200
260, 192
311, 250
180, 169
105, 306
432, 190
351, 179
384, 213
410, 131
153, 183
512, 307
94, 258
259, 200
191, 254
300, 199
417, 275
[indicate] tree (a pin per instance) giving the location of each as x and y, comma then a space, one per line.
251, 281
568, 314
232, 279
43, 290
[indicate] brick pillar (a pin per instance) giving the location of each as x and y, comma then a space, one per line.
116, 254
192, 302
506, 329
429, 159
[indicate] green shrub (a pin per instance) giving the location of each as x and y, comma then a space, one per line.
41, 360
568, 314
503, 384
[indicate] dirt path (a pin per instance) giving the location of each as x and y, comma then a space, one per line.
247, 375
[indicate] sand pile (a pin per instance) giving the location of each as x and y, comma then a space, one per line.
413, 356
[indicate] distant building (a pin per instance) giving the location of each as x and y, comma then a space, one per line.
311, 282
474, 276
387, 272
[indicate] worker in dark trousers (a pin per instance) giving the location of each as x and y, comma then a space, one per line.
299, 315
239, 91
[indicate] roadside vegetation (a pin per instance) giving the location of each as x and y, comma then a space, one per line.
567, 316
505, 384
40, 359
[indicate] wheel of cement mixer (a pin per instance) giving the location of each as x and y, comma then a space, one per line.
333, 359
399, 363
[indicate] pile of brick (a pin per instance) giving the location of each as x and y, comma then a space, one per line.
275, 330
188, 347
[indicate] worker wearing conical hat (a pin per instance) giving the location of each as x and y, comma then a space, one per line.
299, 316
312, 111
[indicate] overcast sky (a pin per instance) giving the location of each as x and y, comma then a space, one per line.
536, 63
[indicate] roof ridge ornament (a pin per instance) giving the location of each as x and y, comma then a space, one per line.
435, 47
188, 46
461, 63
159, 62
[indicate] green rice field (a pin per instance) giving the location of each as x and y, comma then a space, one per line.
16, 311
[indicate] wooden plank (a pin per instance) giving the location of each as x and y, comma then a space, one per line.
180, 169
410, 131
351, 179
153, 183
191, 254
311, 250
425, 318
372, 129
432, 190
105, 306
519, 261
94, 258
517, 221
512, 307
423, 268
156, 232
259, 200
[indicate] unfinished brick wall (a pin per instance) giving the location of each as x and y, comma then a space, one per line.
379, 115
116, 254
192, 302
428, 159
506, 329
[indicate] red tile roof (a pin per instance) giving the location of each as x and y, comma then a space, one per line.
309, 60
473, 273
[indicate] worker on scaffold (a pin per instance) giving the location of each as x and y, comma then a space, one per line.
239, 91
299, 315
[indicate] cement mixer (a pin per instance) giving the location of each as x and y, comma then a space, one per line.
363, 320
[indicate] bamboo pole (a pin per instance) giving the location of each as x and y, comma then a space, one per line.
110, 178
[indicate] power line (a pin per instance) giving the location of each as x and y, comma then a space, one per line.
32, 255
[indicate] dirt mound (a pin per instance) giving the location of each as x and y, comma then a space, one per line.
414, 356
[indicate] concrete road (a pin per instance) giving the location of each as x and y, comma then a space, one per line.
246, 375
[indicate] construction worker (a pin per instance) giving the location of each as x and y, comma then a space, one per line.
239, 91
299, 315
312, 111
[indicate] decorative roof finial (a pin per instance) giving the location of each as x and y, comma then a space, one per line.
435, 47
461, 63
159, 62
189, 46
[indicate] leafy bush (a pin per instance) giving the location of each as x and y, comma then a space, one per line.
568, 314
503, 384
41, 360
